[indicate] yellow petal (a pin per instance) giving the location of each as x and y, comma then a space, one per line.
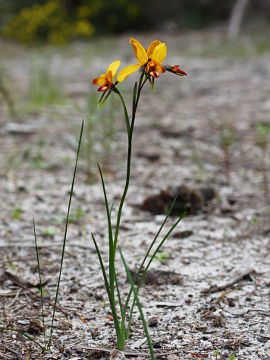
100, 80
152, 46
139, 51
159, 53
114, 67
128, 70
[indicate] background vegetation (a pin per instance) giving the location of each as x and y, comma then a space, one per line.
59, 21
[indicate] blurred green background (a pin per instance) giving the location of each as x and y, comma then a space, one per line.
60, 21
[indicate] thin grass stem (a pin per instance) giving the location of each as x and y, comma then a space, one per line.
118, 294
65, 237
28, 337
40, 284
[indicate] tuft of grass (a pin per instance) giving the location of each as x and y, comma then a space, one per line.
99, 132
43, 88
6, 96
261, 140
162, 257
50, 231
227, 139
76, 216
16, 213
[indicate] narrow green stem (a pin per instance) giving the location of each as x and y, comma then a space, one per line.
125, 110
113, 241
134, 109
130, 128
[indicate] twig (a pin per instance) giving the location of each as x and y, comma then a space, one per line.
263, 312
216, 288
19, 282
45, 245
15, 299
18, 356
128, 353
23, 285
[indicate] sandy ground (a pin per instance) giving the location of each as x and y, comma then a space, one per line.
208, 296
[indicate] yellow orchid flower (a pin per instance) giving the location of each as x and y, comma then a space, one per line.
106, 81
151, 59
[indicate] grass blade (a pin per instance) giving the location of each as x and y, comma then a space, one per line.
160, 244
118, 294
146, 256
150, 262
111, 260
111, 247
138, 305
109, 292
40, 283
65, 236
102, 267
155, 238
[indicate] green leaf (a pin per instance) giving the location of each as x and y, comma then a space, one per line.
152, 258
102, 267
111, 247
138, 305
144, 260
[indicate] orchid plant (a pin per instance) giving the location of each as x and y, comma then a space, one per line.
150, 65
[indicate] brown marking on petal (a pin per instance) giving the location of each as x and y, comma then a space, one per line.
102, 88
154, 74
